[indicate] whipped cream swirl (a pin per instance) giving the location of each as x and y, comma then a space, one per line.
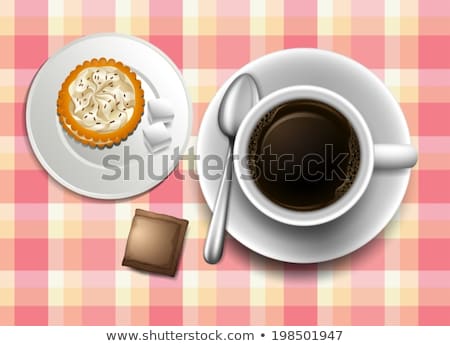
103, 98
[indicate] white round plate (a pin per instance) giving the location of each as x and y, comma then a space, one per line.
375, 208
126, 169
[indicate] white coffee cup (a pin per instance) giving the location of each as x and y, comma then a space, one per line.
372, 156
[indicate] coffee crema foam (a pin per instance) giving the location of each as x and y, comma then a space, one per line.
307, 109
352, 166
254, 139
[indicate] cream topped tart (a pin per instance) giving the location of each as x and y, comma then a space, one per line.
100, 102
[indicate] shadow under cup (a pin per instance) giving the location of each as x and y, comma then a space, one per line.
303, 155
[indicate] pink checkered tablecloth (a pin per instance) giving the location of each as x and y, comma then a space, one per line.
60, 254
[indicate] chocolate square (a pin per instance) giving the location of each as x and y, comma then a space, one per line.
154, 242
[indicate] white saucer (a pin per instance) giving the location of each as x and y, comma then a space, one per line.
381, 199
80, 168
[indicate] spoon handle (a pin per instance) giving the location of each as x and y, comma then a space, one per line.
216, 233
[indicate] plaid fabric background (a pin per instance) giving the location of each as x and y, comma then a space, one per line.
60, 253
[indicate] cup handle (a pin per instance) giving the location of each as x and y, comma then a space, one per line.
393, 156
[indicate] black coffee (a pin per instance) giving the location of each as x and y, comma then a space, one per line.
304, 155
